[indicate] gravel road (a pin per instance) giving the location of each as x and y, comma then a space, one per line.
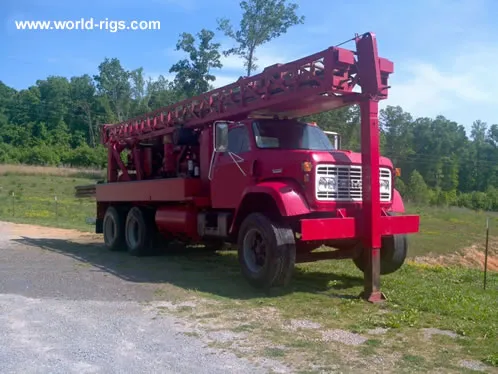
58, 317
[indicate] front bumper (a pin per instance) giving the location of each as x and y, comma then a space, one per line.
320, 229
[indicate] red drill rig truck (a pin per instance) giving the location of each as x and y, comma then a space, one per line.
235, 165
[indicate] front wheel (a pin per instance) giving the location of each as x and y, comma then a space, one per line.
266, 251
392, 254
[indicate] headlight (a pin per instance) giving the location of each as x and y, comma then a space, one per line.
327, 184
385, 185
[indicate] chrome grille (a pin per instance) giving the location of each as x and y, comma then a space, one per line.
349, 182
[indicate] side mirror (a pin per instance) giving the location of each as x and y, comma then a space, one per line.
221, 136
335, 139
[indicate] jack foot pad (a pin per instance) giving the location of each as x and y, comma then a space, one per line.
373, 297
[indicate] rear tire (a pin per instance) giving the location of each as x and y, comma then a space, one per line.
113, 228
392, 254
140, 232
266, 252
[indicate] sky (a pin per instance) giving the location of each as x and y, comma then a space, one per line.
444, 51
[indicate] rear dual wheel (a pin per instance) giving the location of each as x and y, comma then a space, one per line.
140, 232
114, 229
134, 231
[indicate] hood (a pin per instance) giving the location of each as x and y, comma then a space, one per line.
289, 163
345, 157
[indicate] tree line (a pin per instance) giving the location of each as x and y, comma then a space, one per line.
56, 121
440, 163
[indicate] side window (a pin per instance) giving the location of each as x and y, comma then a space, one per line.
238, 140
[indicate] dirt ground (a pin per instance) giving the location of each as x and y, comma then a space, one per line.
14, 229
64, 309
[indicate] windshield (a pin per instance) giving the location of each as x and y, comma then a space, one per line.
275, 134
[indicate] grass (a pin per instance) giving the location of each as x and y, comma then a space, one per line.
444, 230
420, 296
44, 199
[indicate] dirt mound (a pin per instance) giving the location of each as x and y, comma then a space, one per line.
471, 257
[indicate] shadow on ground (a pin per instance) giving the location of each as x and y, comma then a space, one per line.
217, 273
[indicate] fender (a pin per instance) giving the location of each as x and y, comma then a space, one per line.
286, 194
398, 206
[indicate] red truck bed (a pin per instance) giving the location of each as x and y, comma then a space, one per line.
171, 189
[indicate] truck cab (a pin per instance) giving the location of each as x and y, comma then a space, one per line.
292, 173
254, 151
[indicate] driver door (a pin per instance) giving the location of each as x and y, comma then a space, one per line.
231, 172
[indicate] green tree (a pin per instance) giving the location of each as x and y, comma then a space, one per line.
449, 179
262, 21
467, 173
397, 128
481, 201
478, 136
113, 82
41, 155
400, 186
54, 100
417, 190
193, 75
25, 106
83, 107
7, 95
162, 93
139, 103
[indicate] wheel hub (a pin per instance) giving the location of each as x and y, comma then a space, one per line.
254, 250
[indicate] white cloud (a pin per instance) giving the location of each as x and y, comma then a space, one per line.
265, 56
465, 88
223, 80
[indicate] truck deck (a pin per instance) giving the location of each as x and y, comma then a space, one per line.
152, 190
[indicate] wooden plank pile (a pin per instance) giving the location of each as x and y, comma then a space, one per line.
85, 191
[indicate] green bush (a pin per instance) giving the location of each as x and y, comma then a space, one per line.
84, 156
40, 155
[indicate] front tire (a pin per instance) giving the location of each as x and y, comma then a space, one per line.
392, 254
140, 232
266, 252
113, 228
